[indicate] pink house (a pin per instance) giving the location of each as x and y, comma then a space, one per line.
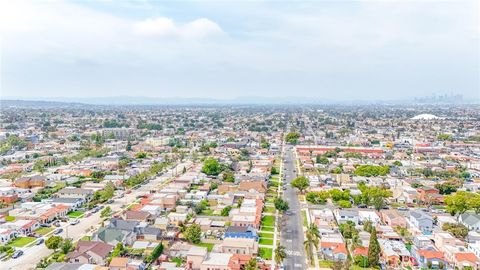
393, 218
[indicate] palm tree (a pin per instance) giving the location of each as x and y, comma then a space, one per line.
312, 238
251, 264
280, 254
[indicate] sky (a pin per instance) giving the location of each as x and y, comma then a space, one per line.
333, 50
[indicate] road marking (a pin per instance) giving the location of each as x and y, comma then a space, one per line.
289, 240
297, 265
293, 252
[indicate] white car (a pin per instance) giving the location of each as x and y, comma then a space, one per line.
74, 222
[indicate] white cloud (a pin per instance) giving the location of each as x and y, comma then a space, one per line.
165, 27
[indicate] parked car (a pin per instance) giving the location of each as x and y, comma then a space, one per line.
56, 224
74, 222
17, 254
58, 231
40, 241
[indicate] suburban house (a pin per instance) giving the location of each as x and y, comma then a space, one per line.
195, 257
31, 182
466, 259
216, 260
392, 218
470, 220
72, 192
344, 215
7, 235
22, 226
421, 221
241, 232
94, 252
240, 246
429, 256
395, 253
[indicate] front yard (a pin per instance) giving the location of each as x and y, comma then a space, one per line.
209, 246
21, 241
43, 230
268, 221
265, 253
265, 241
75, 214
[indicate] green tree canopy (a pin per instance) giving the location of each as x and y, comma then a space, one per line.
301, 183
193, 233
211, 166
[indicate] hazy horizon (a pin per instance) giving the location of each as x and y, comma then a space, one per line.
333, 50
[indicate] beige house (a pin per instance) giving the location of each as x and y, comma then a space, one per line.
240, 246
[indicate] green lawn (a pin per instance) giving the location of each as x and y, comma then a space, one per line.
270, 199
273, 184
43, 230
304, 215
265, 253
267, 229
209, 246
265, 234
177, 260
207, 212
21, 241
86, 238
9, 218
75, 214
265, 241
325, 264
268, 221
269, 209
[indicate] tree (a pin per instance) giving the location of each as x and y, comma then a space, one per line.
371, 170
141, 155
457, 230
446, 188
321, 159
348, 229
301, 183
344, 204
157, 251
312, 238
251, 264
211, 166
39, 166
193, 233
228, 176
458, 203
292, 137
397, 163
280, 254
226, 211
66, 246
367, 226
53, 242
378, 202
107, 211
373, 249
361, 261
280, 204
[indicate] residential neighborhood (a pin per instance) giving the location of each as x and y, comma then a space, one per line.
234, 188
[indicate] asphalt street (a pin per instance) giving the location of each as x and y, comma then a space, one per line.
292, 232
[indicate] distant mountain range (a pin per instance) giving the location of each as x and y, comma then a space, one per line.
255, 100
